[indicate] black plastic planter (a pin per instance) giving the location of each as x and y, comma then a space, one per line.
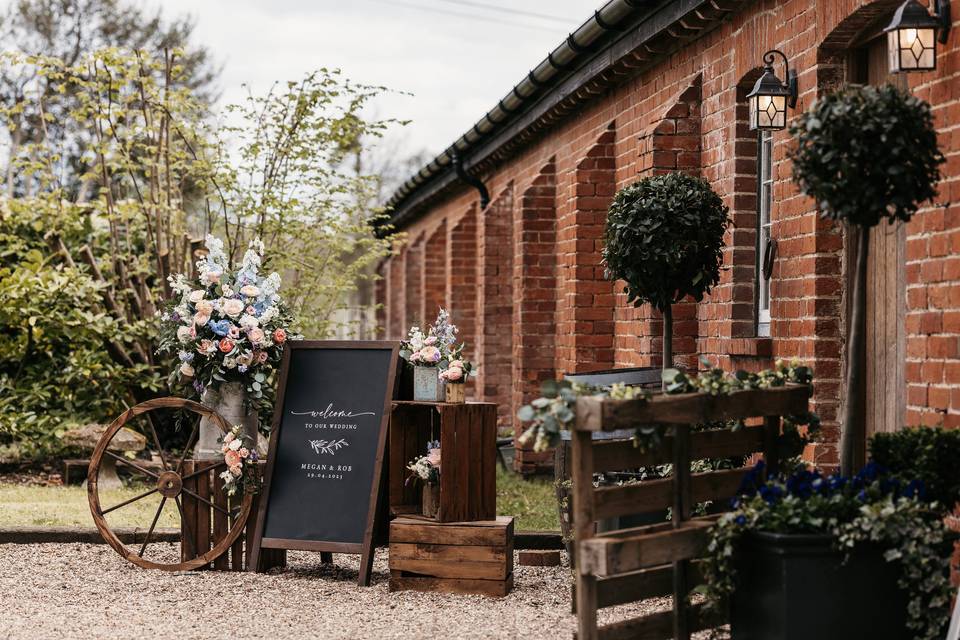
796, 587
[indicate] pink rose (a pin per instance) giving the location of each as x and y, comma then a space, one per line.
244, 452
456, 363
279, 336
226, 345
415, 356
430, 354
201, 319
433, 457
204, 346
261, 357
232, 307
256, 335
224, 449
232, 458
236, 470
453, 374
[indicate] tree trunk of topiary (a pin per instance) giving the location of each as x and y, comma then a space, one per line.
667, 361
853, 426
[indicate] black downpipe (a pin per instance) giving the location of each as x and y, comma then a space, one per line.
476, 183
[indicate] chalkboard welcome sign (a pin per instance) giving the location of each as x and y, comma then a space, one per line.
322, 480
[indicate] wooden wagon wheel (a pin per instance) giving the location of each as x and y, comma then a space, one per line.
168, 483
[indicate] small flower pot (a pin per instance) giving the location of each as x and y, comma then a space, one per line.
455, 392
427, 385
431, 499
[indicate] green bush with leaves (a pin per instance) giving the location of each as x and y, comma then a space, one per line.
865, 154
664, 238
929, 454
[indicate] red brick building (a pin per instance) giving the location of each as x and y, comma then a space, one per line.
647, 87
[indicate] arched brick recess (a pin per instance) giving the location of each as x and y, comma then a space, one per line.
434, 272
380, 298
413, 284
586, 300
396, 294
671, 143
461, 268
535, 300
495, 303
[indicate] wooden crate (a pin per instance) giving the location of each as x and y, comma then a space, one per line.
202, 524
468, 440
452, 557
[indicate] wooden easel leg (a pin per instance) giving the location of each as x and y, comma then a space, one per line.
366, 566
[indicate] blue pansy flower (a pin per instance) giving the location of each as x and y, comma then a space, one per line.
740, 520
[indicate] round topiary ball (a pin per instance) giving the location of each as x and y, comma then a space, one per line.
664, 238
867, 153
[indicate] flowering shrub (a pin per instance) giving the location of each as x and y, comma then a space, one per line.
240, 455
872, 506
427, 467
230, 326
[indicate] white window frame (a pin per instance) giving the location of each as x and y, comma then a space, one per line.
764, 208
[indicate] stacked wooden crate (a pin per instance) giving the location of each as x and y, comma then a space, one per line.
466, 548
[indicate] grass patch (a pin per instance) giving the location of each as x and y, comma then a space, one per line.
23, 505
532, 502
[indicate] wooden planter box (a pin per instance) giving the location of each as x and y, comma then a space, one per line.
468, 443
203, 525
461, 557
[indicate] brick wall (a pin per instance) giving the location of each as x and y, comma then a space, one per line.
687, 112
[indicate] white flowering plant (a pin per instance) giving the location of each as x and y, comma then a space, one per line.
427, 468
228, 326
240, 455
437, 347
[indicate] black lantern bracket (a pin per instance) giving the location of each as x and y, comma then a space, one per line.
941, 11
792, 84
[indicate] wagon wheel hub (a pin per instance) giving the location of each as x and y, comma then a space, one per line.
169, 484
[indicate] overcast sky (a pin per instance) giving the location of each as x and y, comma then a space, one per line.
456, 57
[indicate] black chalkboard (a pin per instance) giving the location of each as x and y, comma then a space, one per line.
322, 479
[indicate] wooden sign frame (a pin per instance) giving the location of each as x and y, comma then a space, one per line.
365, 548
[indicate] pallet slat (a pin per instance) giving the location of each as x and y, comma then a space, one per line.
595, 413
611, 555
620, 455
655, 626
656, 495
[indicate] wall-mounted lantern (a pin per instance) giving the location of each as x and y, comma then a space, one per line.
770, 96
912, 35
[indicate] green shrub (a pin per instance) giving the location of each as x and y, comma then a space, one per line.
929, 454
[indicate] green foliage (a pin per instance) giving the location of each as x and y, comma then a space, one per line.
866, 154
55, 371
926, 453
664, 237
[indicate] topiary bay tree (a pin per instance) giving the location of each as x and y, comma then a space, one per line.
664, 238
865, 154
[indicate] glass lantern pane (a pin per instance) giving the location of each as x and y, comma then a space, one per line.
893, 50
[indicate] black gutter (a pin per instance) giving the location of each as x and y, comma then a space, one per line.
614, 32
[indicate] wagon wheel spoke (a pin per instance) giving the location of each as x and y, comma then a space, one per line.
153, 524
129, 500
186, 447
186, 525
204, 500
156, 441
130, 464
204, 470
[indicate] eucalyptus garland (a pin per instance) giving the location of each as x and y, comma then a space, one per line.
872, 506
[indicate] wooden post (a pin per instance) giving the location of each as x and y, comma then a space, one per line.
680, 514
771, 456
583, 529
853, 426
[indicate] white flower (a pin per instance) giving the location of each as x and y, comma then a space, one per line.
248, 321
210, 277
185, 334
256, 335
229, 363
235, 444
179, 284
205, 307
250, 290
268, 314
196, 296
227, 291
186, 370
201, 319
232, 307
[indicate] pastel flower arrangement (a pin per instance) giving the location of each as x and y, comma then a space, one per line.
437, 348
427, 467
240, 455
231, 325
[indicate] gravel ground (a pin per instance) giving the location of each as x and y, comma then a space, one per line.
78, 590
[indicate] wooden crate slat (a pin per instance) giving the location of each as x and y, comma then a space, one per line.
495, 588
595, 413
453, 569
656, 495
639, 585
448, 552
607, 556
488, 501
418, 530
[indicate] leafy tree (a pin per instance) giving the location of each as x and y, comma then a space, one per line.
664, 238
866, 155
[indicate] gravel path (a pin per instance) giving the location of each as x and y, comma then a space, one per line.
78, 590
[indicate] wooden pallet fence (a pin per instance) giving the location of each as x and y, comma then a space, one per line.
468, 441
202, 523
462, 557
628, 565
